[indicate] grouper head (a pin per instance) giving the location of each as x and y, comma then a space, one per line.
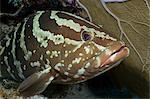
91, 57
88, 49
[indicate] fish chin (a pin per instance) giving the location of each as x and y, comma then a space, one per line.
108, 67
103, 70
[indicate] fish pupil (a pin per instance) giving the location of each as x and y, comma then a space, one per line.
86, 36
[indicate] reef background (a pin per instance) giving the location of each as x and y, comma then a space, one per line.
131, 23
134, 20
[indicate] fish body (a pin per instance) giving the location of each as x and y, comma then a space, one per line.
59, 47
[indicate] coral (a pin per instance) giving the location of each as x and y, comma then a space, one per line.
122, 33
15, 2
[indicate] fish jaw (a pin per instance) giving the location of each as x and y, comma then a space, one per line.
115, 52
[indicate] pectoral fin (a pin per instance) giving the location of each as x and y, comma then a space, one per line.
36, 83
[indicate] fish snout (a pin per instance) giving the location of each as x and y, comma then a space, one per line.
115, 52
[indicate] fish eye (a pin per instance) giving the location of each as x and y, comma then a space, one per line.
86, 36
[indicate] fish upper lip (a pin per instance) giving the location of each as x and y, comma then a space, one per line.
122, 47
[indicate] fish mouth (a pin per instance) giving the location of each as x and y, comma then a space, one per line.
118, 52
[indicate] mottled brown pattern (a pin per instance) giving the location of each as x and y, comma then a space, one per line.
96, 52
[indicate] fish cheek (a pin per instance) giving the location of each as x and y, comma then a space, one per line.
93, 68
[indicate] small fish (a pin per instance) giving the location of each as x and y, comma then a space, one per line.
57, 47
